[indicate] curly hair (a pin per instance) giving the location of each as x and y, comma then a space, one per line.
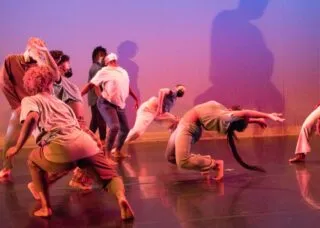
38, 79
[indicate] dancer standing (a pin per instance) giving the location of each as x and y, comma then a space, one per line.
62, 143
211, 116
97, 121
111, 103
11, 83
70, 94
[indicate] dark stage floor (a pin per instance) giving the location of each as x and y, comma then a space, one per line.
163, 196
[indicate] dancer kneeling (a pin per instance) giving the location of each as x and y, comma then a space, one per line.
62, 143
211, 116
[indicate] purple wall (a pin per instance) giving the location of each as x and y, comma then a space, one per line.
257, 53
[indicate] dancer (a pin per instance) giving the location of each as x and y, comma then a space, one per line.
62, 143
310, 126
211, 116
111, 103
70, 94
97, 122
11, 83
158, 109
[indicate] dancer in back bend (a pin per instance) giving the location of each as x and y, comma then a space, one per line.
156, 109
211, 116
63, 145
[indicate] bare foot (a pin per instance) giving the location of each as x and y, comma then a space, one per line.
5, 173
78, 185
33, 191
220, 169
125, 209
300, 157
43, 212
118, 154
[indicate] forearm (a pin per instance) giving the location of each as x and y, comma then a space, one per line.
133, 95
86, 89
160, 102
28, 127
251, 114
167, 117
52, 64
97, 91
78, 110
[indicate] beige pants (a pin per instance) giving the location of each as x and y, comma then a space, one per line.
307, 130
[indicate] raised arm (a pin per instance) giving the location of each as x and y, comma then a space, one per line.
162, 93
46, 59
29, 125
134, 96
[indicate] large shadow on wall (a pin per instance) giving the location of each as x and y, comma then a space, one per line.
127, 50
241, 64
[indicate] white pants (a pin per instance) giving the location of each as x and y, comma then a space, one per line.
307, 130
143, 120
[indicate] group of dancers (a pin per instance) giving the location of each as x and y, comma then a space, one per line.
48, 106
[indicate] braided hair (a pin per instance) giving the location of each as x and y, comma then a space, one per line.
239, 124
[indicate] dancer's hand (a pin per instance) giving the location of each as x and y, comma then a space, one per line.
276, 117
12, 152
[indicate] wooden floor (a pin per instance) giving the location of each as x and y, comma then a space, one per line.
163, 196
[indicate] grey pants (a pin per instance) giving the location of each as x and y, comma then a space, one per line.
307, 130
179, 147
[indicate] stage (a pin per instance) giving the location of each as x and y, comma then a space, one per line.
163, 196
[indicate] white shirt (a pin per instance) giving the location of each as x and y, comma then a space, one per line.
115, 84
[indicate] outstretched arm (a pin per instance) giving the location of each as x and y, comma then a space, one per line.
29, 125
256, 114
134, 96
162, 93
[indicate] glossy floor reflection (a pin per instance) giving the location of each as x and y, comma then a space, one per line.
163, 196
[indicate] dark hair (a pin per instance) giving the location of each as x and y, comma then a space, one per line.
239, 125
96, 51
180, 93
59, 57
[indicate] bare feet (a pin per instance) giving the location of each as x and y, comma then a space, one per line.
300, 157
125, 209
78, 185
33, 191
43, 212
5, 173
119, 154
220, 169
